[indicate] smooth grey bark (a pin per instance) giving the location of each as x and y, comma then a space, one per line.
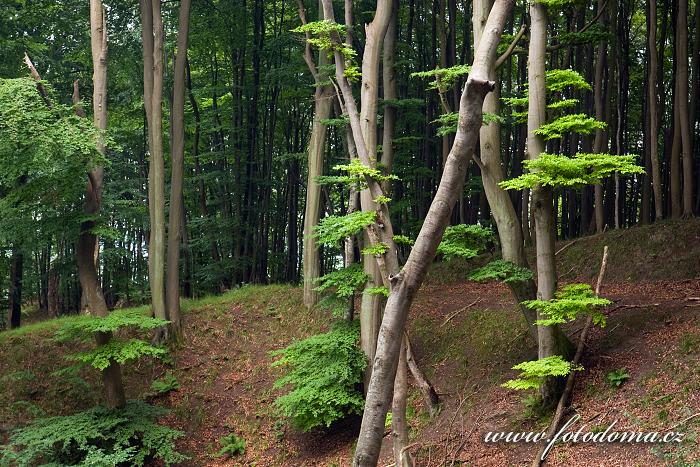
600, 142
152, 37
682, 78
323, 104
176, 220
405, 284
502, 210
653, 113
549, 338
399, 424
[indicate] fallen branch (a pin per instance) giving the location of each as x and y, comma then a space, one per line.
566, 246
449, 318
683, 421
572, 375
431, 397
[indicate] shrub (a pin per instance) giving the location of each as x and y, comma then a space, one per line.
617, 377
231, 445
324, 373
97, 437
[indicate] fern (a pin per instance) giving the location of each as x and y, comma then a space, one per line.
95, 437
231, 445
324, 373
168, 383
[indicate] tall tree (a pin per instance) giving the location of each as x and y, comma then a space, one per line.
177, 147
653, 111
87, 242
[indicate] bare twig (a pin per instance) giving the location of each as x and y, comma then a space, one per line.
537, 462
683, 421
449, 318
501, 60
566, 246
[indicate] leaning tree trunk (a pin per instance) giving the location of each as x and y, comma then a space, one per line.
406, 283
87, 242
653, 113
509, 228
172, 288
152, 36
549, 337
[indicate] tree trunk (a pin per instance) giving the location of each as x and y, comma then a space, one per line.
323, 103
549, 342
87, 242
682, 101
15, 293
399, 424
172, 289
599, 145
405, 284
653, 112
509, 229
152, 35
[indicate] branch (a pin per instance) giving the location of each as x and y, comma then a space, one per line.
552, 48
308, 56
500, 60
37, 78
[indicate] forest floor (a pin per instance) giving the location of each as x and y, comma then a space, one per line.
466, 337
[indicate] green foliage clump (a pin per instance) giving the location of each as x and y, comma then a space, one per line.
445, 78
567, 304
325, 35
464, 241
501, 270
562, 171
333, 229
448, 122
96, 437
324, 373
358, 173
231, 445
345, 281
377, 249
115, 350
533, 373
403, 240
42, 150
560, 79
616, 378
165, 385
571, 123
85, 326
380, 290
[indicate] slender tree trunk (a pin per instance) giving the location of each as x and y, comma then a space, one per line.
172, 289
87, 242
682, 78
653, 112
405, 284
542, 196
399, 424
323, 103
509, 228
15, 293
152, 36
599, 145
